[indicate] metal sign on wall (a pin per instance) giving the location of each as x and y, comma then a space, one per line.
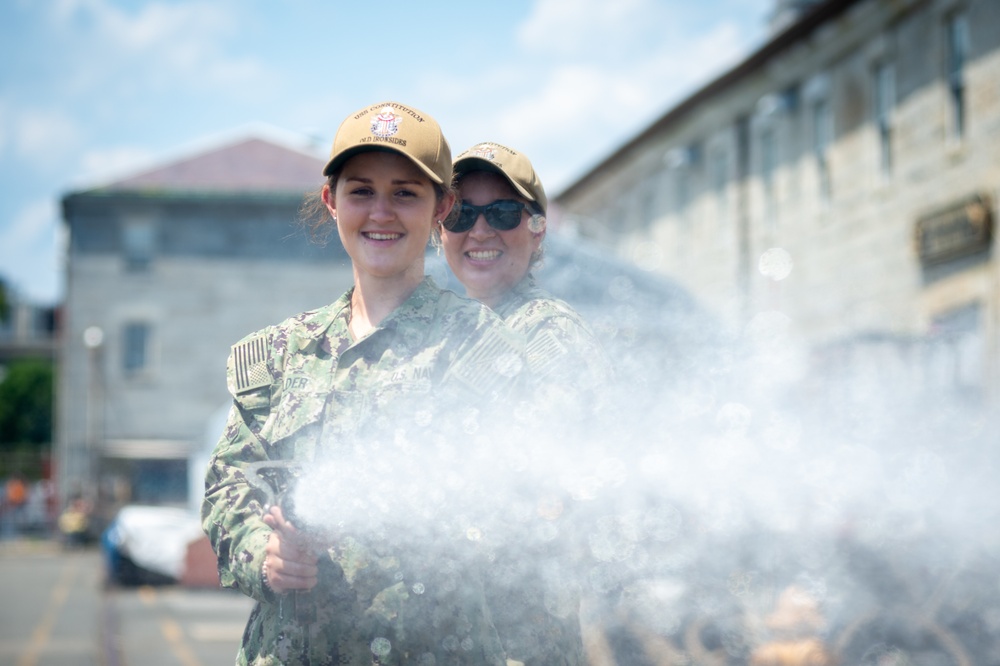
959, 230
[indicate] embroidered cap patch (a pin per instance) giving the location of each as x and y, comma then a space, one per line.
386, 123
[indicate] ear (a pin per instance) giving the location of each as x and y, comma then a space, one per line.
537, 229
330, 200
444, 206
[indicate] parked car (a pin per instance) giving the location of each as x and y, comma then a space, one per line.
147, 545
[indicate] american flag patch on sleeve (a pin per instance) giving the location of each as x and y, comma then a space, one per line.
490, 366
250, 361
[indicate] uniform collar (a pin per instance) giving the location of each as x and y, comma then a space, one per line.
420, 303
518, 294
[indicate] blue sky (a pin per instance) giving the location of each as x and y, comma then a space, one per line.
92, 90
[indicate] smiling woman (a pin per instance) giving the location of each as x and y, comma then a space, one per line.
491, 244
390, 374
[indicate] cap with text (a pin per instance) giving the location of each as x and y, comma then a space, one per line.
398, 128
512, 165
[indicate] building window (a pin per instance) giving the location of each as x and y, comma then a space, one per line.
885, 99
719, 173
135, 347
768, 164
957, 54
138, 244
647, 205
681, 163
822, 121
958, 357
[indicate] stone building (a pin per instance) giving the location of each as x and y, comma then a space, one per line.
846, 174
164, 271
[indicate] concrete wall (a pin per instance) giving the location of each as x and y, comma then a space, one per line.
203, 290
856, 268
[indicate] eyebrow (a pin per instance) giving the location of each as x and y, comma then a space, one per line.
395, 182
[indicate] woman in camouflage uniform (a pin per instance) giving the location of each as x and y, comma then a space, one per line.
388, 367
491, 241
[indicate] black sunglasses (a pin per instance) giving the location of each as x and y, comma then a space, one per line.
502, 214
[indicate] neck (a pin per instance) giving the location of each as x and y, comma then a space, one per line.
374, 298
490, 302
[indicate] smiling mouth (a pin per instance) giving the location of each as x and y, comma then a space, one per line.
483, 255
381, 236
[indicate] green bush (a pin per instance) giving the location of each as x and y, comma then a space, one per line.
26, 400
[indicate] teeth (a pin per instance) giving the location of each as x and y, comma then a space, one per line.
378, 236
483, 255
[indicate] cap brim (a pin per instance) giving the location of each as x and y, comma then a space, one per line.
348, 153
472, 163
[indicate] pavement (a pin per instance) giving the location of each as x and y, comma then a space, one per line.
58, 611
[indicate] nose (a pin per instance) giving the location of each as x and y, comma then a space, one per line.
482, 228
381, 208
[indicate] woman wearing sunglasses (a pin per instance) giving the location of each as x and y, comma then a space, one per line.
491, 241
367, 386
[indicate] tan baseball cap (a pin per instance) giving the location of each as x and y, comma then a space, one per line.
513, 166
396, 127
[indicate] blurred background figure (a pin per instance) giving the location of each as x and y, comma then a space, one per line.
795, 628
74, 523
14, 499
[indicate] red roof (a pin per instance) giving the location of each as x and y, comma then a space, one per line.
248, 165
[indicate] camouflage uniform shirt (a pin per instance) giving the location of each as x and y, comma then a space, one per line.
561, 349
534, 590
305, 386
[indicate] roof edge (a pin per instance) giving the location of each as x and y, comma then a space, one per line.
805, 26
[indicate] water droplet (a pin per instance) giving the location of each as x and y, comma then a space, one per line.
508, 365
648, 256
612, 472
473, 534
733, 418
621, 288
775, 263
381, 647
769, 327
782, 433
470, 423
418, 588
741, 583
549, 508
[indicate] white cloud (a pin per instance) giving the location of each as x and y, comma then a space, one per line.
178, 40
107, 164
612, 69
43, 136
573, 28
32, 224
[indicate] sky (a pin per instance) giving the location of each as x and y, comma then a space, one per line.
95, 90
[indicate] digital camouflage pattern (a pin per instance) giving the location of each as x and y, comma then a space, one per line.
304, 387
531, 590
562, 353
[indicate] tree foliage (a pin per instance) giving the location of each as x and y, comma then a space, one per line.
26, 399
4, 301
